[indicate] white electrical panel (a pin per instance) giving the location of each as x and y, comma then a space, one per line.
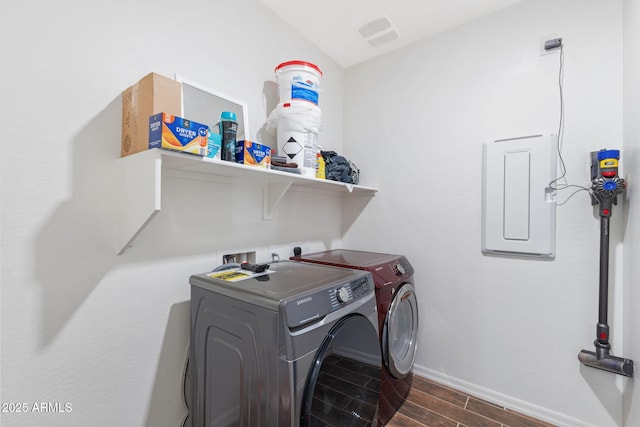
518, 205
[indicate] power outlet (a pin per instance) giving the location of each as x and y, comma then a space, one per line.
550, 43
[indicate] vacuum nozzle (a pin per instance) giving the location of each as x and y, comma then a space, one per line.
616, 365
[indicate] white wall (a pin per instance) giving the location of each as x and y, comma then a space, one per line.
80, 325
108, 334
631, 165
415, 121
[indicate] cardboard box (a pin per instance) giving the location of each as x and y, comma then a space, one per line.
253, 153
151, 95
178, 134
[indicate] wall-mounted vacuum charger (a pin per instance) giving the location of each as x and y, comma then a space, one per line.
550, 43
553, 43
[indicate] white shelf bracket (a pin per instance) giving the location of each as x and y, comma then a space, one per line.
271, 195
139, 195
139, 186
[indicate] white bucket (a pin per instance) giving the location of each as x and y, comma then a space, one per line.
298, 81
297, 134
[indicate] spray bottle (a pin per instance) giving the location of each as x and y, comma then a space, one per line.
320, 164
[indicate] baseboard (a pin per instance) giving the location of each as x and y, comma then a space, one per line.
521, 406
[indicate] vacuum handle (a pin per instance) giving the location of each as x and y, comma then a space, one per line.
605, 187
604, 273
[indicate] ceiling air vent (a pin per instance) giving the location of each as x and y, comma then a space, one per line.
379, 31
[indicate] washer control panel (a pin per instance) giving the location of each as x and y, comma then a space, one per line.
349, 292
342, 294
308, 308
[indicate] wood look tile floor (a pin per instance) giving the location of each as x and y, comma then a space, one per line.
434, 405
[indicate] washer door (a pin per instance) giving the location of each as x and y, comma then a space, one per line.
400, 332
343, 385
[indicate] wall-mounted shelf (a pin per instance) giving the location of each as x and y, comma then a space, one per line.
140, 183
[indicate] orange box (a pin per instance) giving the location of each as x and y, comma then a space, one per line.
175, 133
253, 154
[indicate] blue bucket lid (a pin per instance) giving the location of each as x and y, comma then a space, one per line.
228, 115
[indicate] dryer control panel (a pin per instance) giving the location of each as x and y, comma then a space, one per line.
396, 271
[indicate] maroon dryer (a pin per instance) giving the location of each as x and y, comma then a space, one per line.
397, 316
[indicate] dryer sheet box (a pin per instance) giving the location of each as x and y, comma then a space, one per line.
253, 154
178, 134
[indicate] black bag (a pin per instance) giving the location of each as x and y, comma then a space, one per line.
339, 168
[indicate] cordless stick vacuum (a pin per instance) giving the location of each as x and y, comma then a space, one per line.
605, 187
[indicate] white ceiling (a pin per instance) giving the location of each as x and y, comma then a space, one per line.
333, 25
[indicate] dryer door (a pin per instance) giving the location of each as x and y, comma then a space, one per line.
400, 332
343, 385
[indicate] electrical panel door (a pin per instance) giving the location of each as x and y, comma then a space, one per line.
518, 201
